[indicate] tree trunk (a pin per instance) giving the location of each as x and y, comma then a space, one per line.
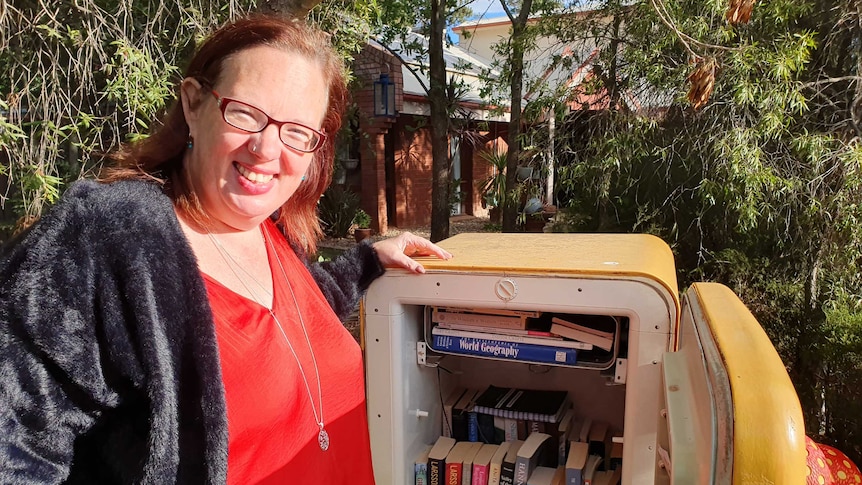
290, 8
439, 125
519, 27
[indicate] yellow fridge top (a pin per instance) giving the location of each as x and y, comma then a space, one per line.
610, 255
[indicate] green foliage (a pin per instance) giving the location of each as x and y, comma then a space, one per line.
759, 189
362, 219
338, 208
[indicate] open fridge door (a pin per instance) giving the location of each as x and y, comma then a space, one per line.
731, 414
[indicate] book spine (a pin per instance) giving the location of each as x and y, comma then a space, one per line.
480, 475
435, 471
507, 473
541, 354
491, 321
525, 339
505, 331
472, 426
494, 472
420, 472
521, 471
453, 474
574, 477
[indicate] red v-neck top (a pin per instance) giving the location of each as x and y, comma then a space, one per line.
272, 433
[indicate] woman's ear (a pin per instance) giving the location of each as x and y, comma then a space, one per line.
191, 95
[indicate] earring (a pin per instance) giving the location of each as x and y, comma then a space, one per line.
190, 143
302, 179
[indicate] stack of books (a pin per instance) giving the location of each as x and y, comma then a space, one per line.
526, 336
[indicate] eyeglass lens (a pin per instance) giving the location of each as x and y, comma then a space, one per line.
249, 118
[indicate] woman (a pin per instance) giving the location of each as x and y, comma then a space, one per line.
159, 328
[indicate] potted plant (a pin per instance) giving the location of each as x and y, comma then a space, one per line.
363, 225
494, 187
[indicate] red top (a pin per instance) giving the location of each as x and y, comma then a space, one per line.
272, 434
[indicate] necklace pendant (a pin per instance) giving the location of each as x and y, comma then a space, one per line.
323, 439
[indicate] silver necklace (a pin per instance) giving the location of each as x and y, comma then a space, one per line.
322, 435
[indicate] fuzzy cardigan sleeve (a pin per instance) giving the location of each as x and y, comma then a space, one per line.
108, 361
344, 279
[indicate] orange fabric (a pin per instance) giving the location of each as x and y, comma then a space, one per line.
272, 435
828, 466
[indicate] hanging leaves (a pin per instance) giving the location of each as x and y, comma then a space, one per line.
739, 11
702, 81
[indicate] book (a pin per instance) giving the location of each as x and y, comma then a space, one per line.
493, 311
538, 354
563, 430
616, 456
448, 404
516, 429
507, 468
610, 477
526, 404
600, 325
479, 319
437, 460
455, 462
544, 475
420, 466
482, 463
590, 468
506, 331
525, 339
496, 464
600, 440
570, 330
584, 434
460, 414
467, 467
575, 462
532, 453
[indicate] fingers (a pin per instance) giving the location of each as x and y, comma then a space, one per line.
397, 251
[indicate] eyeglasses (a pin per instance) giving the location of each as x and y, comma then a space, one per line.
253, 120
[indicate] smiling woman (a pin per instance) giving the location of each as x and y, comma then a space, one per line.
181, 336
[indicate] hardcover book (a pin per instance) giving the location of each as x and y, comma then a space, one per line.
437, 460
448, 404
505, 337
479, 319
525, 404
499, 349
460, 415
534, 452
583, 333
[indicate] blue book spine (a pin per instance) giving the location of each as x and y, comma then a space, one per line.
544, 354
421, 473
472, 426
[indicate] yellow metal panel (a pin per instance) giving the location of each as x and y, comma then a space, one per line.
768, 431
615, 255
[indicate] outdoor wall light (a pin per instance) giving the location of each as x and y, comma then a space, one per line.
384, 96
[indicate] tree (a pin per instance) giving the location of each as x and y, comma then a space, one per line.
81, 77
737, 142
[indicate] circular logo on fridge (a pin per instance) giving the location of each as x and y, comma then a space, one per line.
506, 289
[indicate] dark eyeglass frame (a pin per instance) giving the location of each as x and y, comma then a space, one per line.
223, 102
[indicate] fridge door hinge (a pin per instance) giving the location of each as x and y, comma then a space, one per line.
620, 371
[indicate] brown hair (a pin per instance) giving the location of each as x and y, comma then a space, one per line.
160, 156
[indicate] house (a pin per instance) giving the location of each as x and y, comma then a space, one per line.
387, 158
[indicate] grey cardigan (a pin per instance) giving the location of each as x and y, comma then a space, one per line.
109, 367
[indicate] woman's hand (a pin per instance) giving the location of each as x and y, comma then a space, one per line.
396, 251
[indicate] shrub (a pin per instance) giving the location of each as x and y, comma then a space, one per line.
337, 209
